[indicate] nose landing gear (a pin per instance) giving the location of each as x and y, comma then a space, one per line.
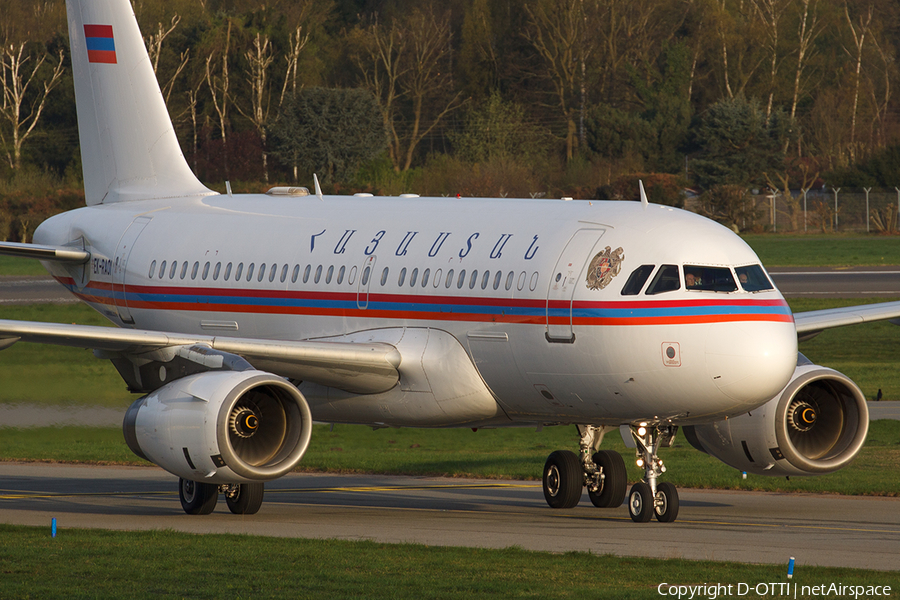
649, 498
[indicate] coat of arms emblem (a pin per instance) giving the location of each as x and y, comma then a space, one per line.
604, 267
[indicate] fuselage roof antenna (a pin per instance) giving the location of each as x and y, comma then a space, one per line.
318, 189
644, 202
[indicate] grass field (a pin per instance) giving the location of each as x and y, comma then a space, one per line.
818, 250
20, 266
166, 564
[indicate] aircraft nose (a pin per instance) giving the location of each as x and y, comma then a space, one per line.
751, 362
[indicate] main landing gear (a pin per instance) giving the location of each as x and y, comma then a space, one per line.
603, 473
649, 498
199, 498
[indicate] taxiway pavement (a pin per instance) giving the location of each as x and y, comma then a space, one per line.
755, 527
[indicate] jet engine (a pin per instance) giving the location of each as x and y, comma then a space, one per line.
222, 427
816, 425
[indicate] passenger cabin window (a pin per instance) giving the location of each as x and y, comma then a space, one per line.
753, 278
636, 280
666, 280
709, 279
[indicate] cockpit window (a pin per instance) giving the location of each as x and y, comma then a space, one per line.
709, 279
666, 280
753, 278
636, 280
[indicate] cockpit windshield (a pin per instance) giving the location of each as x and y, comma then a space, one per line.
753, 278
709, 279
666, 280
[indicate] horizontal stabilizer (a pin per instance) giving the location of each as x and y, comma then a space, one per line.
362, 368
61, 254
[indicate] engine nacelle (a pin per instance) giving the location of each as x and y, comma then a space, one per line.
815, 426
222, 427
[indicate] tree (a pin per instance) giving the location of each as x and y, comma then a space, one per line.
498, 129
329, 131
154, 50
259, 59
738, 144
859, 30
406, 66
730, 205
556, 30
218, 89
15, 78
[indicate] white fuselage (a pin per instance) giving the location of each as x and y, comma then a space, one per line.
506, 280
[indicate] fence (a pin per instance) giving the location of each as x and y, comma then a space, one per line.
824, 210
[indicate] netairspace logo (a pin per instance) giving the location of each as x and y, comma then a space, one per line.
711, 591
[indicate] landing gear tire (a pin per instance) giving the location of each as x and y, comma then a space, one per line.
197, 498
615, 480
246, 498
563, 479
640, 503
666, 504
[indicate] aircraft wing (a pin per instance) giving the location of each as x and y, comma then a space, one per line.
811, 323
363, 368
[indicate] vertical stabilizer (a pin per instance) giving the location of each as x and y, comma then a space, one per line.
129, 150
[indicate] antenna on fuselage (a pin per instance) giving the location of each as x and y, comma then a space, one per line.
644, 202
318, 189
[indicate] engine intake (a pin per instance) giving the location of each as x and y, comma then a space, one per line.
222, 427
816, 425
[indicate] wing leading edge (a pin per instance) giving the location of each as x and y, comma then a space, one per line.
63, 254
809, 324
362, 368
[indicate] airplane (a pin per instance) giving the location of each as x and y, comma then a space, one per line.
244, 318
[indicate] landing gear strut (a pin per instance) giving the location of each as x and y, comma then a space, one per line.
198, 498
602, 472
649, 498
